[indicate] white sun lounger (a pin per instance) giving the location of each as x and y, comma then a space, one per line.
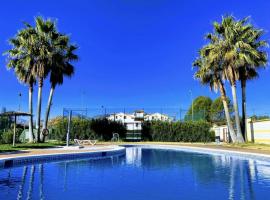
85, 142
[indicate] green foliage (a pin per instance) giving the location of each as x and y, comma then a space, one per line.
101, 129
201, 109
261, 117
217, 110
104, 128
5, 122
196, 131
6, 137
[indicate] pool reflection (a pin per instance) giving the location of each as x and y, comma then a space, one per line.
236, 174
231, 177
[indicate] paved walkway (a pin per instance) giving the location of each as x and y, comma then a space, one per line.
259, 150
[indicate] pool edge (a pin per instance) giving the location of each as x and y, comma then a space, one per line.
205, 150
30, 159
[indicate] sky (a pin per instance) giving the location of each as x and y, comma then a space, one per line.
132, 53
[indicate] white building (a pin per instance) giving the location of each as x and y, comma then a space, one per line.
133, 122
156, 117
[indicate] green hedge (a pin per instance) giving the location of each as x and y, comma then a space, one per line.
197, 131
101, 129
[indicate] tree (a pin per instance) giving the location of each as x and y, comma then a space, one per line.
217, 110
228, 53
21, 61
242, 53
209, 72
43, 51
61, 67
201, 108
256, 58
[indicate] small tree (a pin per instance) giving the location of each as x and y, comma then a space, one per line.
217, 110
201, 109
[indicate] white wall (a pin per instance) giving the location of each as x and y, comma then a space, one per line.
222, 132
259, 131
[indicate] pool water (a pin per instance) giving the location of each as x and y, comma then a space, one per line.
141, 174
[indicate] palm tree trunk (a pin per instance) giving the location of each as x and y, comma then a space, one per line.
239, 135
227, 113
40, 84
244, 113
48, 111
30, 105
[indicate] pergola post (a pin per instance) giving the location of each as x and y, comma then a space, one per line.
15, 114
14, 130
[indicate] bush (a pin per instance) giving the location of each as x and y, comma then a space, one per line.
104, 128
101, 129
197, 131
7, 136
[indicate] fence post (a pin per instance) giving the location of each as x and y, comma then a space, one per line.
69, 123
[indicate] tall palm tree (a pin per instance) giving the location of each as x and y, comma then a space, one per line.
229, 52
45, 30
244, 75
21, 60
39, 52
209, 72
61, 67
242, 54
256, 58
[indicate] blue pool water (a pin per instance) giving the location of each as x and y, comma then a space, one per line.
141, 174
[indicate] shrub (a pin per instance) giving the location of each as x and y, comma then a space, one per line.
101, 129
7, 136
197, 131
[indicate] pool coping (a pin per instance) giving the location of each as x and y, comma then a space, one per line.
205, 150
8, 162
120, 150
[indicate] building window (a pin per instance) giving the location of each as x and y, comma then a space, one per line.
137, 124
125, 117
116, 117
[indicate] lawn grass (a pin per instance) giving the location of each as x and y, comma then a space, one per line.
25, 146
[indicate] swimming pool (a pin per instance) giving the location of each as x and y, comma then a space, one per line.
142, 173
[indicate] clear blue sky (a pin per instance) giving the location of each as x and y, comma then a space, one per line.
133, 53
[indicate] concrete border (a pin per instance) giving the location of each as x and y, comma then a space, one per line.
120, 150
30, 159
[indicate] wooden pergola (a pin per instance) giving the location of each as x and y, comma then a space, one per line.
15, 114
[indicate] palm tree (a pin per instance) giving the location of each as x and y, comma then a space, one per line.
209, 72
229, 53
45, 30
255, 58
21, 60
61, 67
242, 54
42, 50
